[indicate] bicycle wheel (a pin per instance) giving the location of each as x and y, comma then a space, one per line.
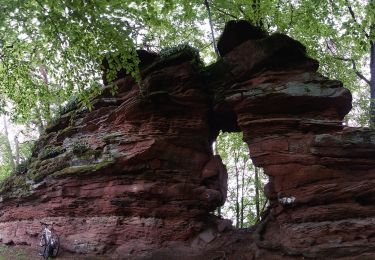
55, 244
48, 251
42, 245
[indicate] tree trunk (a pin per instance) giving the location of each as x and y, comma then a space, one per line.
372, 84
40, 120
43, 72
215, 151
17, 151
46, 105
257, 202
212, 27
237, 196
8, 145
242, 190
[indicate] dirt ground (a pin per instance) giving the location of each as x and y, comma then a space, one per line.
30, 253
230, 245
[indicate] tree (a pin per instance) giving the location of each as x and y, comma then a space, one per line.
341, 35
245, 181
5, 170
6, 160
8, 152
12, 154
69, 39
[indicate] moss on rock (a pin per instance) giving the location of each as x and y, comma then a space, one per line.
50, 151
82, 169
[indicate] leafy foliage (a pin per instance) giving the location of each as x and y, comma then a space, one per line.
245, 190
51, 50
6, 157
5, 166
80, 148
339, 34
5, 171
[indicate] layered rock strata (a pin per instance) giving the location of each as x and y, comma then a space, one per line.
131, 174
137, 172
321, 187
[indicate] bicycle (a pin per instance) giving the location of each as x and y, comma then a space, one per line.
49, 243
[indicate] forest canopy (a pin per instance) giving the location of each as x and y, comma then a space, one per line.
52, 50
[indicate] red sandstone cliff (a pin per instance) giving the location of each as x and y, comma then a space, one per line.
137, 173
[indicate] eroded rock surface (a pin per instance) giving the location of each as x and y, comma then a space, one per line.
136, 174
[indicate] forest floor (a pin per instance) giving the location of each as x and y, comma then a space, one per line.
235, 244
30, 253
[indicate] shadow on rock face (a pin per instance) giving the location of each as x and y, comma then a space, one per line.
237, 32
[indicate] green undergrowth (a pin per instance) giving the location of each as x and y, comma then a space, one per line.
10, 252
173, 56
80, 148
14, 186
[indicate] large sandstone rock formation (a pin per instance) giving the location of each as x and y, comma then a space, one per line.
137, 174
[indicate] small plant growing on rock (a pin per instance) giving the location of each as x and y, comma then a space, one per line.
182, 50
22, 167
70, 106
184, 47
51, 151
80, 148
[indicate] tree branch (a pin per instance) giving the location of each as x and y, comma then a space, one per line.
223, 12
355, 19
212, 28
291, 17
354, 66
57, 31
328, 44
242, 11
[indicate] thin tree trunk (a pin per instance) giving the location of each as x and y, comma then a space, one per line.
237, 194
257, 202
242, 191
43, 71
17, 151
372, 84
47, 105
216, 152
8, 145
215, 149
40, 120
211, 27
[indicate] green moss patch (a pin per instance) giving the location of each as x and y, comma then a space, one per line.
82, 169
50, 151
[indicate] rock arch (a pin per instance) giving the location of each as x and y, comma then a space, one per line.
137, 173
